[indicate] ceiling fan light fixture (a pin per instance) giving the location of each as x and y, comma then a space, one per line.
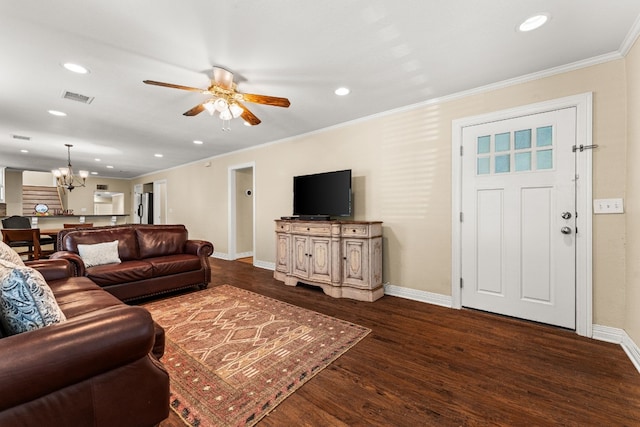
209, 107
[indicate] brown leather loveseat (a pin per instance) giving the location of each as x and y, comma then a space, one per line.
154, 259
99, 367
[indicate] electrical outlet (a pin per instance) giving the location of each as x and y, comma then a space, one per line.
608, 206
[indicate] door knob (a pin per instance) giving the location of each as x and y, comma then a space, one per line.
566, 215
565, 230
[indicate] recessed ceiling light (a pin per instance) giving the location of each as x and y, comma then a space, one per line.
57, 113
109, 167
24, 151
94, 173
197, 142
534, 22
97, 160
342, 91
75, 68
158, 155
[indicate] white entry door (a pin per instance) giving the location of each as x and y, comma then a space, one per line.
518, 226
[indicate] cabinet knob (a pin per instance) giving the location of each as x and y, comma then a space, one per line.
353, 230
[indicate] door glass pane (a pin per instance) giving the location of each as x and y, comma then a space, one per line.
484, 144
503, 141
483, 165
503, 163
522, 139
544, 159
523, 161
544, 136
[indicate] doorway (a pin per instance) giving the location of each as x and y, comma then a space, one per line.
241, 228
507, 257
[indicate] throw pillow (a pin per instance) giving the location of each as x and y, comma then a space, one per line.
26, 301
99, 253
8, 254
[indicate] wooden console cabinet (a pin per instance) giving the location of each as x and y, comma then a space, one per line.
344, 258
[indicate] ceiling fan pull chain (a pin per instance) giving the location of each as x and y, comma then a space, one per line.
226, 125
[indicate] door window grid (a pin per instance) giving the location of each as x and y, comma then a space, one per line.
531, 150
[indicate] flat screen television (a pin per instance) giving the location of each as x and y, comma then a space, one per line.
322, 195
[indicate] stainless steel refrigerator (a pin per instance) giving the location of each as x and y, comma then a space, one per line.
145, 209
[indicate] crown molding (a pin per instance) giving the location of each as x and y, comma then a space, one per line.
631, 38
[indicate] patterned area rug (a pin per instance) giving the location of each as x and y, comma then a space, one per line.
233, 355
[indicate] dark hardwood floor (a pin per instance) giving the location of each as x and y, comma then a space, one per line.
424, 365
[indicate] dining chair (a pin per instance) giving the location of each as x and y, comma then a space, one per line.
23, 222
21, 238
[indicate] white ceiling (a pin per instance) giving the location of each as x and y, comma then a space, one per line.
390, 53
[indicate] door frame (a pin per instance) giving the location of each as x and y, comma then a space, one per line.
584, 187
232, 220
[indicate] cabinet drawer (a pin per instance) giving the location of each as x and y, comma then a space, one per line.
283, 227
316, 229
358, 230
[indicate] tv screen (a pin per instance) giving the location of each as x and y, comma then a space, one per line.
322, 194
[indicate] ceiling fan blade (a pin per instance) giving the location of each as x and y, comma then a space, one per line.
192, 89
195, 110
248, 116
266, 100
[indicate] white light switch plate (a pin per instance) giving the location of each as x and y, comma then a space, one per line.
608, 206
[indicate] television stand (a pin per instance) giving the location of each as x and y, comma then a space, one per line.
314, 217
344, 258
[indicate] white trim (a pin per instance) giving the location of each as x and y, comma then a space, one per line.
416, 295
244, 254
619, 336
221, 255
584, 170
631, 38
231, 211
264, 264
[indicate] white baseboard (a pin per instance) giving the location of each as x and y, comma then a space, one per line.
416, 295
263, 264
221, 255
619, 336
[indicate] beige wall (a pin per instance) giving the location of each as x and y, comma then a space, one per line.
401, 165
632, 296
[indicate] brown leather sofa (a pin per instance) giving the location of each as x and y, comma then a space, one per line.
98, 368
154, 258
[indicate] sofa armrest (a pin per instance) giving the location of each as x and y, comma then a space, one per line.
74, 259
38, 362
202, 248
53, 269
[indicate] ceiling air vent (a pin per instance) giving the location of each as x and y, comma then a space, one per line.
77, 97
102, 186
21, 137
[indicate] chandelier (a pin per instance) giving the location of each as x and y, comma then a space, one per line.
65, 177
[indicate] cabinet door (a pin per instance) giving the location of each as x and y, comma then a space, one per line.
356, 263
300, 256
320, 258
283, 252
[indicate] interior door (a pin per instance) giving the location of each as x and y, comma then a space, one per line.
518, 226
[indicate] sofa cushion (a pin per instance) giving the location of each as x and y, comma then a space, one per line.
159, 240
26, 301
125, 272
174, 264
99, 253
126, 237
8, 254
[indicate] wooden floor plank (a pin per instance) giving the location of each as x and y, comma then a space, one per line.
426, 365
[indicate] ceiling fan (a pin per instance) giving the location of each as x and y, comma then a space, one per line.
225, 99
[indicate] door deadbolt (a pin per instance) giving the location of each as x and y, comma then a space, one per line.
565, 230
566, 215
